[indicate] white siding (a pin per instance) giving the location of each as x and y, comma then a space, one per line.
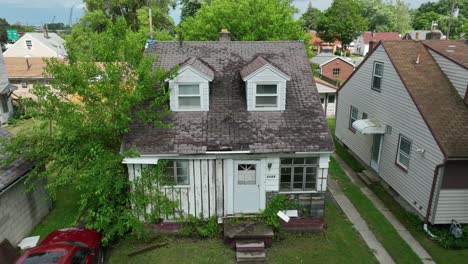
188, 76
452, 204
394, 106
266, 76
19, 49
457, 75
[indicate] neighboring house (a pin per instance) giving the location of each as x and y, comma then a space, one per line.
24, 73
247, 123
20, 210
404, 112
37, 45
321, 46
334, 67
327, 92
423, 35
361, 44
6, 107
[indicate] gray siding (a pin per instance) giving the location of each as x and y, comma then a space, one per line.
457, 75
452, 204
20, 212
394, 106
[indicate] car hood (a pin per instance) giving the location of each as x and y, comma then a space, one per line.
89, 237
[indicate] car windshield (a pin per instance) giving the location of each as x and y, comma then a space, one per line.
43, 257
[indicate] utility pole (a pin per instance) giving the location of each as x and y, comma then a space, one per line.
450, 19
150, 20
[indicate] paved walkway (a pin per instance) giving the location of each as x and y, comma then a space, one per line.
402, 231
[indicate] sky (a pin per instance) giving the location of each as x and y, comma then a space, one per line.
37, 12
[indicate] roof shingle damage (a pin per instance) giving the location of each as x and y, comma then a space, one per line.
14, 171
228, 126
434, 95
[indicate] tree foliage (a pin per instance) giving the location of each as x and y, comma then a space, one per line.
4, 25
310, 18
382, 16
88, 111
342, 21
245, 19
189, 8
439, 12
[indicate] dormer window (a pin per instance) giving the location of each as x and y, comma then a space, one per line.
266, 95
190, 88
189, 96
265, 86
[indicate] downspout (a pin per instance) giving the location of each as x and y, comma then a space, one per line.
431, 198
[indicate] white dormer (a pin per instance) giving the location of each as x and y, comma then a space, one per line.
190, 88
265, 86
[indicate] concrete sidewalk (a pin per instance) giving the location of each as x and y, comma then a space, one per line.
402, 231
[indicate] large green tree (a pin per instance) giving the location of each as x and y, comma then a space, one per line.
78, 141
310, 18
341, 21
245, 19
189, 8
382, 16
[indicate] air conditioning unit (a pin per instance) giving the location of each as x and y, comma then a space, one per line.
24, 84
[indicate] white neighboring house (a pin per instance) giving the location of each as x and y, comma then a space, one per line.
328, 98
404, 113
361, 44
247, 124
6, 107
37, 45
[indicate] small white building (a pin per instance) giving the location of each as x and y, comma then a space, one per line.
328, 98
6, 89
37, 45
361, 44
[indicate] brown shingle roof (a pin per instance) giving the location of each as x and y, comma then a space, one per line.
228, 125
455, 50
437, 100
18, 67
378, 36
199, 65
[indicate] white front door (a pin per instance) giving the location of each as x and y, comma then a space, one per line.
376, 151
246, 186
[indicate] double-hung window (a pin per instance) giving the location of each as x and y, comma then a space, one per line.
189, 96
336, 71
266, 96
177, 172
377, 76
353, 116
298, 174
404, 151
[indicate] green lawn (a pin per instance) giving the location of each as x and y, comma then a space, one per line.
438, 253
340, 243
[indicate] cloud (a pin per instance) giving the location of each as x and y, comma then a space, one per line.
41, 3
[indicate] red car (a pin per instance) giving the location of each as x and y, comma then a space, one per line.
66, 246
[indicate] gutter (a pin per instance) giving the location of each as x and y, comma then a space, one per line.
431, 197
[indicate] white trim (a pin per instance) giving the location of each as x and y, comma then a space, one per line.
228, 152
204, 76
399, 152
337, 57
277, 95
270, 67
140, 160
199, 95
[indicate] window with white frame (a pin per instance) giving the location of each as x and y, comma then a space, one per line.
189, 96
177, 172
4, 103
353, 116
266, 96
298, 174
377, 76
29, 44
336, 71
404, 151
331, 98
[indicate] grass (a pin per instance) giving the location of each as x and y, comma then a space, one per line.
398, 249
341, 151
340, 243
22, 126
439, 254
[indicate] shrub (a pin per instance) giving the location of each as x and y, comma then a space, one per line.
348, 54
337, 53
278, 202
200, 227
446, 240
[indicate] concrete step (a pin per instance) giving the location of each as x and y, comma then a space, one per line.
250, 246
364, 178
371, 176
251, 257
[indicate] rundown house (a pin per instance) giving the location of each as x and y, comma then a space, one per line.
334, 67
404, 113
6, 107
20, 211
327, 92
247, 124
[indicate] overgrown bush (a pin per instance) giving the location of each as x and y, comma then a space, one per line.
337, 53
446, 240
279, 202
348, 54
200, 227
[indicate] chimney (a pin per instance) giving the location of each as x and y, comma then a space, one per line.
224, 35
46, 31
372, 43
